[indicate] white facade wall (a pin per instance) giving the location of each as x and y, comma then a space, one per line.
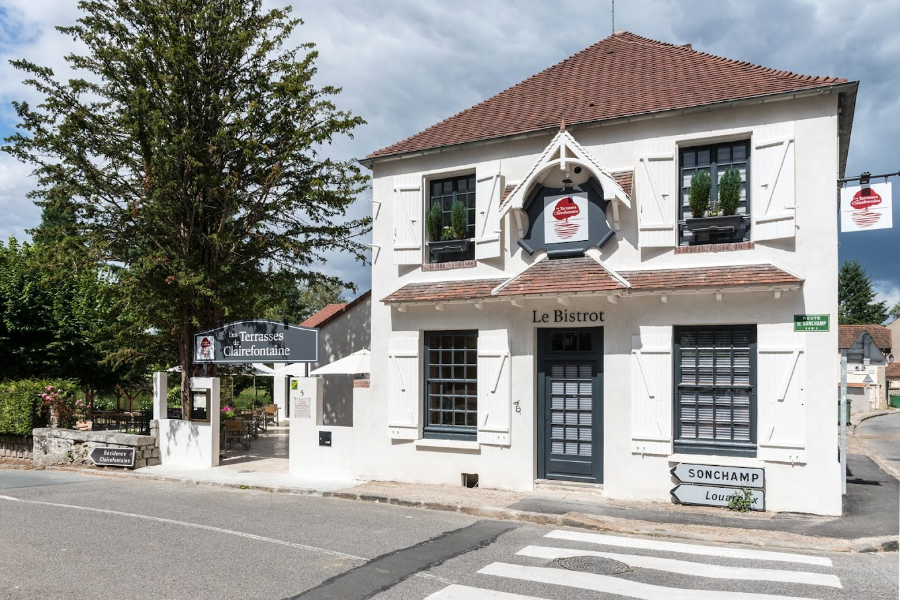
800, 430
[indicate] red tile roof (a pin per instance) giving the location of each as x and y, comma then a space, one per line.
467, 289
625, 179
580, 275
561, 277
709, 277
881, 335
619, 76
893, 370
330, 312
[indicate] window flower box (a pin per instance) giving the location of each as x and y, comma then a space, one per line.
450, 250
712, 230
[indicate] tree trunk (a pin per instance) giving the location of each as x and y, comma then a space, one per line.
185, 347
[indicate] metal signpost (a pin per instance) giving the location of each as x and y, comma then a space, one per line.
104, 456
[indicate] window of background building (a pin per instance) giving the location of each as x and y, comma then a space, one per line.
451, 384
444, 193
715, 395
715, 160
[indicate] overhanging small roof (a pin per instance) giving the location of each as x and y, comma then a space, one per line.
586, 276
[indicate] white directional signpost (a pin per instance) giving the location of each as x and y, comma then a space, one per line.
707, 495
710, 485
104, 456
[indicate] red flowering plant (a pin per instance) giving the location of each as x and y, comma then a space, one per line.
61, 405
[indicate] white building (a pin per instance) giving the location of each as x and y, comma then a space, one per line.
587, 328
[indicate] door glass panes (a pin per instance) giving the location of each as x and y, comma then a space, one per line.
571, 419
451, 384
714, 384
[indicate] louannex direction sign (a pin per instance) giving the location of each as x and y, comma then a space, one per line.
707, 495
714, 475
105, 456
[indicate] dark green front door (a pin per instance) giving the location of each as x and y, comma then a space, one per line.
570, 404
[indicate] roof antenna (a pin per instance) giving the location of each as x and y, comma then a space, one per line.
614, 16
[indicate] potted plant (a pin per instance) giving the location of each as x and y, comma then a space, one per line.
449, 242
719, 223
698, 194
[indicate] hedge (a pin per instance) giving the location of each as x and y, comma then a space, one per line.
21, 404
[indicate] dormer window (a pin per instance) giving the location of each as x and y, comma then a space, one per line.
451, 239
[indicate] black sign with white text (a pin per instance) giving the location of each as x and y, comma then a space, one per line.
105, 456
257, 341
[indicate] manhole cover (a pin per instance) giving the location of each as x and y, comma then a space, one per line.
250, 471
594, 564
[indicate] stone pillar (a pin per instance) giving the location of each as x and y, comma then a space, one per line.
160, 395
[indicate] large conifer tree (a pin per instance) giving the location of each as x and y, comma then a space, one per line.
856, 298
191, 151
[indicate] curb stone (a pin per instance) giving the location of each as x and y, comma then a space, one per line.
571, 519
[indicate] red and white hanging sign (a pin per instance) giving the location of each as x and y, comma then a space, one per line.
868, 207
566, 218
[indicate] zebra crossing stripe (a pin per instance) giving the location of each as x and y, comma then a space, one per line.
690, 568
614, 585
626, 542
464, 592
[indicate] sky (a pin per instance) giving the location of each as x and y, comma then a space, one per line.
407, 64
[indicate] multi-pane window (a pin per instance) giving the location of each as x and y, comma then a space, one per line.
715, 378
716, 160
451, 384
444, 192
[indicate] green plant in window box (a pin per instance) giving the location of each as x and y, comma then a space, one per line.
447, 234
459, 220
698, 194
730, 192
434, 222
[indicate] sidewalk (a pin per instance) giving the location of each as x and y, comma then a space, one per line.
870, 522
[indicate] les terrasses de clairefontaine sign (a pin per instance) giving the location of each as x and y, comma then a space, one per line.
256, 341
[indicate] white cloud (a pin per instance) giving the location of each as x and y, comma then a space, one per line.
888, 291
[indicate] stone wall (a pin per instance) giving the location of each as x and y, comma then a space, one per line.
16, 446
70, 447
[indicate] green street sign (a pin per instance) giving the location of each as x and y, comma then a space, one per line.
811, 322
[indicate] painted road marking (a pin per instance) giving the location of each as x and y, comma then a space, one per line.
614, 585
464, 592
624, 542
689, 568
242, 534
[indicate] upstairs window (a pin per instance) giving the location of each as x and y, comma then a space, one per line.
446, 242
714, 226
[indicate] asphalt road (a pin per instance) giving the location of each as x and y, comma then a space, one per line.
67, 535
882, 435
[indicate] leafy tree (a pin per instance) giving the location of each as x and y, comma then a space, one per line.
296, 304
189, 150
856, 305
894, 313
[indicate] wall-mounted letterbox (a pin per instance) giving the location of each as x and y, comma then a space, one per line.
325, 438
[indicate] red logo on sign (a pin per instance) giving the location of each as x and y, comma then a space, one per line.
565, 209
205, 343
865, 198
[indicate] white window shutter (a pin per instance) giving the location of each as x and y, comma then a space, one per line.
404, 384
487, 210
772, 194
656, 191
408, 205
781, 398
651, 393
494, 402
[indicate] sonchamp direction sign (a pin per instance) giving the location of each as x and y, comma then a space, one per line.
257, 341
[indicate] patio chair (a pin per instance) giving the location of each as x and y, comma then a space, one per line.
236, 432
271, 413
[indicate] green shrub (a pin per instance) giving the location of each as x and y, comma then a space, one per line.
742, 501
698, 195
730, 192
24, 407
434, 222
459, 220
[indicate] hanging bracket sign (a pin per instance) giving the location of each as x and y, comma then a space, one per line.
257, 341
